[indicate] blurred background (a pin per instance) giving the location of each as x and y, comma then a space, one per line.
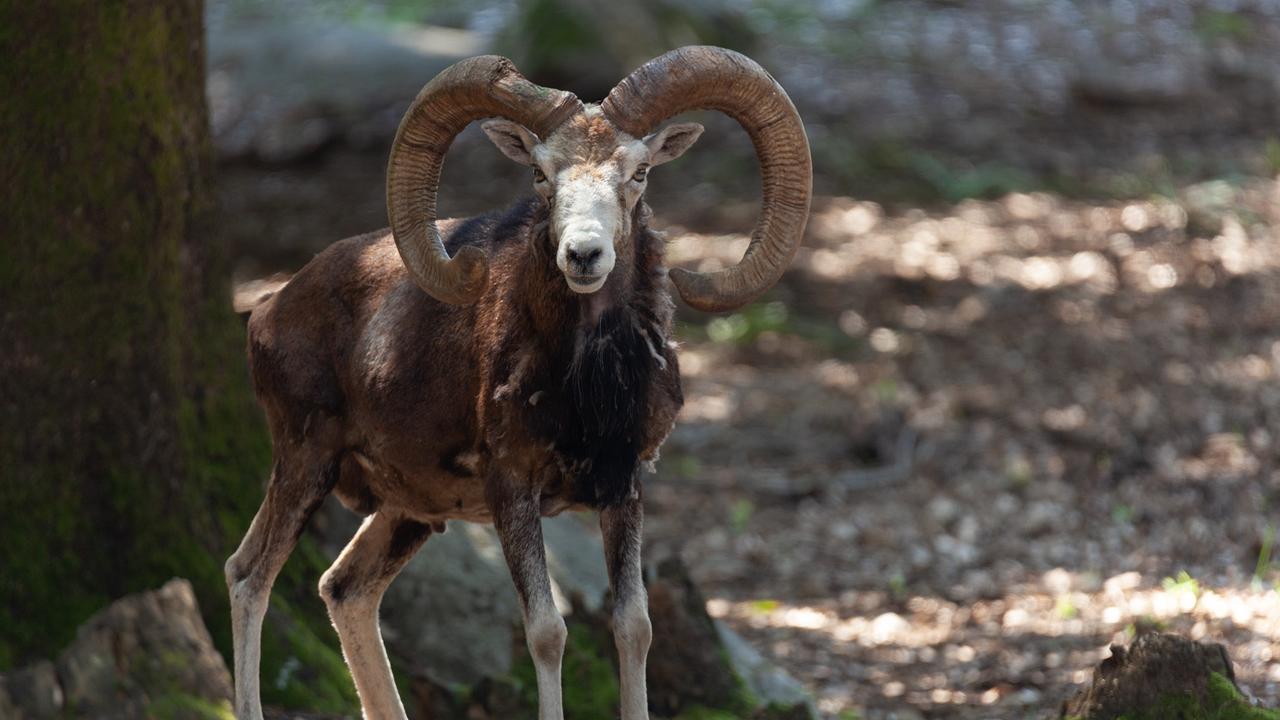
1016, 399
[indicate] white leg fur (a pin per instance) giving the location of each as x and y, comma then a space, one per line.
352, 589
248, 606
632, 631
518, 520
252, 570
546, 633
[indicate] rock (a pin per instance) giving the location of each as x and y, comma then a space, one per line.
686, 665
1108, 83
943, 510
450, 612
7, 708
1208, 206
698, 662
34, 692
1161, 675
453, 612
147, 655
452, 624
285, 81
765, 681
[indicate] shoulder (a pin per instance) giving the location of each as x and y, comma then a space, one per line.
497, 227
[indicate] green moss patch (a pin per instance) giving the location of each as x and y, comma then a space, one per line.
301, 669
1223, 702
702, 713
186, 707
589, 678
1226, 703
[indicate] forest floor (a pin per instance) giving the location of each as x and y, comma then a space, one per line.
958, 451
961, 451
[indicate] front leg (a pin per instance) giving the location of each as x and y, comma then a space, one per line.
518, 520
622, 526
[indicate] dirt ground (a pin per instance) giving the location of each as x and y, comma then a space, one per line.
961, 451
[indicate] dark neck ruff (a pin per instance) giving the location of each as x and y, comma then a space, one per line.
598, 378
606, 389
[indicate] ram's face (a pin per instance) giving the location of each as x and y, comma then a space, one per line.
591, 175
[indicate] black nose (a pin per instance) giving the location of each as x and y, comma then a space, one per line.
583, 259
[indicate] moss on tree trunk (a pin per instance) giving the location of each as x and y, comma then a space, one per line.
130, 447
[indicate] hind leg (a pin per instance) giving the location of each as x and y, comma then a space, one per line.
352, 589
299, 482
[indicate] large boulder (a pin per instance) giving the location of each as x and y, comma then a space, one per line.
286, 79
146, 656
451, 611
452, 624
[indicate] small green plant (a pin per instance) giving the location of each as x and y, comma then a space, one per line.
1263, 566
1122, 514
764, 607
1214, 25
1066, 609
1018, 470
1144, 624
687, 466
745, 326
1271, 151
955, 181
887, 391
898, 586
1183, 584
740, 514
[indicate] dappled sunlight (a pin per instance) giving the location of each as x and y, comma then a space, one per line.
935, 642
960, 452
705, 252
1004, 242
709, 407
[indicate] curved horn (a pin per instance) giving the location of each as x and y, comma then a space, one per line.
712, 78
480, 87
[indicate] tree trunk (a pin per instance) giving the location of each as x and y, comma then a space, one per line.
130, 447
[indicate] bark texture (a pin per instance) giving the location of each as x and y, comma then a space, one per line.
130, 448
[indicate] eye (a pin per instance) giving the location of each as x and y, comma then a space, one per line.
538, 175
642, 172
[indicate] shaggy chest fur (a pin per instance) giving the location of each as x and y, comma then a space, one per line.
593, 414
582, 407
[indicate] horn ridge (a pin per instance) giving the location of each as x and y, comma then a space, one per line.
712, 78
479, 87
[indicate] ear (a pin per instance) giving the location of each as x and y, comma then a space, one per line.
512, 139
671, 141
